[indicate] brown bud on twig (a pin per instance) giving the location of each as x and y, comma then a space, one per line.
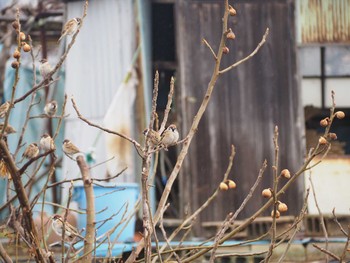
225, 50
231, 184
278, 214
26, 47
16, 54
340, 115
22, 36
324, 122
15, 64
266, 193
282, 207
230, 35
332, 136
322, 140
285, 173
232, 11
223, 186
15, 25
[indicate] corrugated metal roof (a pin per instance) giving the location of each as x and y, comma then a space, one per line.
324, 21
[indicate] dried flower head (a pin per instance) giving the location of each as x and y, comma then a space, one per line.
266, 193
16, 54
282, 207
332, 136
225, 50
26, 47
15, 64
22, 36
285, 173
230, 35
322, 140
324, 122
15, 25
340, 115
223, 186
231, 184
232, 11
278, 214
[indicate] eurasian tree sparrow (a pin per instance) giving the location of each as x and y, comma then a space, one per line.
4, 109
57, 226
170, 136
153, 135
69, 148
45, 68
70, 27
51, 108
47, 143
9, 129
31, 151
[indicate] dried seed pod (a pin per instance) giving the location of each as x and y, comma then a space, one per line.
266, 193
278, 214
324, 122
26, 47
231, 184
16, 54
282, 207
322, 140
340, 115
225, 50
232, 11
15, 25
22, 36
15, 64
285, 173
230, 35
223, 186
332, 136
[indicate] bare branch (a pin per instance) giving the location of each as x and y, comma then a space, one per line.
262, 42
210, 48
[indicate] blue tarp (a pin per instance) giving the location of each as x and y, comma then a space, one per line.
36, 127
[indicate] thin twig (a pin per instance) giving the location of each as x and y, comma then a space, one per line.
297, 227
327, 252
168, 106
80, 116
233, 217
322, 222
210, 48
275, 198
262, 42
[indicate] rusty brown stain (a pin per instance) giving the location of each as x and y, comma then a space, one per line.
119, 146
325, 21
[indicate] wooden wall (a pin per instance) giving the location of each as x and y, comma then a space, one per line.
246, 105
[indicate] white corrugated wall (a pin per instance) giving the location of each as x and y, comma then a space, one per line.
95, 68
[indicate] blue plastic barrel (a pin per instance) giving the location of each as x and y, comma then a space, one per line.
110, 201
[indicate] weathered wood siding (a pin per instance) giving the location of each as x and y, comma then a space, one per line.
246, 105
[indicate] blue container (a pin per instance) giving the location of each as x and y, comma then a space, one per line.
110, 201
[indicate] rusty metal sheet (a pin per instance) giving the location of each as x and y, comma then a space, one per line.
324, 21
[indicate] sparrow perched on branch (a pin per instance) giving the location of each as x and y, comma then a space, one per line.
170, 136
69, 148
45, 68
31, 151
70, 231
4, 109
70, 27
47, 143
9, 129
153, 135
51, 108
